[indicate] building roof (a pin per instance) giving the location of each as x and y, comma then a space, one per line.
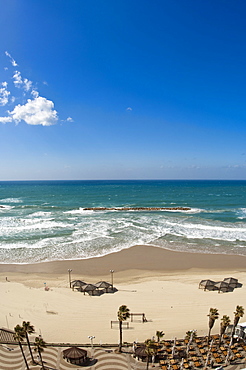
74, 353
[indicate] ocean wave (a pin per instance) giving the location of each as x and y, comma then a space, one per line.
40, 214
83, 234
4, 207
80, 211
200, 231
241, 213
11, 200
23, 227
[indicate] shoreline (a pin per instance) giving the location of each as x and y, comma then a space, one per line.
160, 283
139, 257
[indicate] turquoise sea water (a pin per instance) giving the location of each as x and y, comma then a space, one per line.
46, 220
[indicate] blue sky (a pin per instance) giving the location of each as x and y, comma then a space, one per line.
122, 89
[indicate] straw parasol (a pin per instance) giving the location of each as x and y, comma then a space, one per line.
222, 286
231, 281
207, 284
89, 288
78, 284
103, 284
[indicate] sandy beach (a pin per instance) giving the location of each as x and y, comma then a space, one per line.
160, 283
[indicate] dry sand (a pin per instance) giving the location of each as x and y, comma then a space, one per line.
160, 283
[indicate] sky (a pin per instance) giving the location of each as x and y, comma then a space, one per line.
122, 89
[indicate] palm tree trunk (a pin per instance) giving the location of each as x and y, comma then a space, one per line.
147, 367
233, 332
30, 350
41, 359
120, 344
236, 321
23, 354
209, 333
222, 332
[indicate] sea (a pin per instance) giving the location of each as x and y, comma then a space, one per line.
48, 220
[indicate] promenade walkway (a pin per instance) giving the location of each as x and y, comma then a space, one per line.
99, 359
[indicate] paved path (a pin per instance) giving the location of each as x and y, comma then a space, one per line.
100, 359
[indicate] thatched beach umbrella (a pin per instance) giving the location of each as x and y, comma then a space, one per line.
89, 288
103, 284
77, 284
222, 286
232, 282
75, 355
207, 284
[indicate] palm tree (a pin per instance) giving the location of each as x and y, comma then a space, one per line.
159, 334
39, 346
28, 329
213, 315
225, 321
19, 337
190, 335
123, 314
237, 314
150, 349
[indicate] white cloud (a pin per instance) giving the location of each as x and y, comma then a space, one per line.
129, 109
13, 62
35, 93
17, 79
35, 110
27, 84
20, 83
4, 94
5, 119
38, 111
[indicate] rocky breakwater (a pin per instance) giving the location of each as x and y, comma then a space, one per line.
137, 209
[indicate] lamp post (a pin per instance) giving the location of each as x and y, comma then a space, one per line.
112, 278
69, 276
91, 337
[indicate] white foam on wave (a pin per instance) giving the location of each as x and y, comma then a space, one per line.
241, 213
192, 210
11, 226
5, 208
11, 200
84, 237
40, 244
80, 211
200, 231
40, 214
